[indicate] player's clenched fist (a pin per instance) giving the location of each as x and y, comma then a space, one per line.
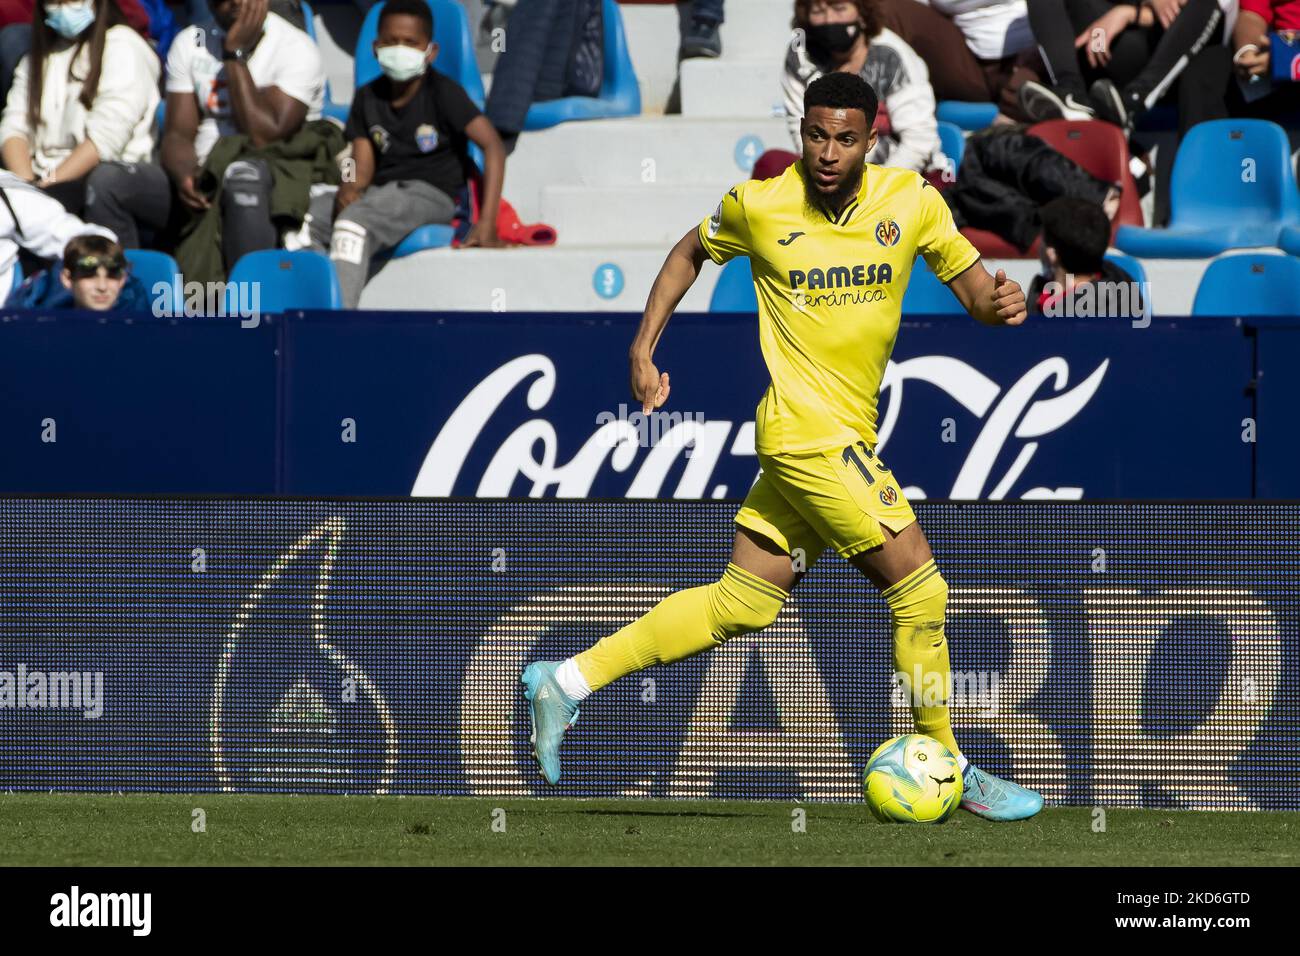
1008, 299
649, 387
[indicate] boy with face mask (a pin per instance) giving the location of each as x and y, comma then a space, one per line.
410, 132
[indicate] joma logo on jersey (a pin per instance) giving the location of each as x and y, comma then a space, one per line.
839, 277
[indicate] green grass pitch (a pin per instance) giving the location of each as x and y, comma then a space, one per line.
74, 829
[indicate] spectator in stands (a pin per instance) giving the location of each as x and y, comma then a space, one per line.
86, 94
1114, 60
241, 101
93, 275
410, 131
149, 18
700, 36
33, 221
1236, 80
1073, 254
847, 36
977, 50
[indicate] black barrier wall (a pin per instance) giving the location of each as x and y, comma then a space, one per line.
1125, 655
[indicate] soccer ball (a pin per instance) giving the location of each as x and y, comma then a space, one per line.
912, 779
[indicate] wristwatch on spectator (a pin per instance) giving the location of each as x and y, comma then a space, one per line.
239, 54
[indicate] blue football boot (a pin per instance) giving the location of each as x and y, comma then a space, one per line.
552, 713
993, 798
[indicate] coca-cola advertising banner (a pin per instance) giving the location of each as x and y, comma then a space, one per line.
531, 404
540, 406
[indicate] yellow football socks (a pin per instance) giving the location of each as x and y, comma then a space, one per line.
918, 603
685, 623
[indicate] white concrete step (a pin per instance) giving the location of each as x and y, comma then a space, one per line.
550, 279
652, 42
754, 29
643, 151
594, 215
732, 88
605, 278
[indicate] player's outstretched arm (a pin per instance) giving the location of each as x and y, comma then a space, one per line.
992, 299
676, 276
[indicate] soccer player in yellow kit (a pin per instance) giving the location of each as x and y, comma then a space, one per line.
831, 243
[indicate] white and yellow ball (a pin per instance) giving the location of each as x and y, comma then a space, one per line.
912, 779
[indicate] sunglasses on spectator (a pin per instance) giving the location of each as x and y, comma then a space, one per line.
88, 266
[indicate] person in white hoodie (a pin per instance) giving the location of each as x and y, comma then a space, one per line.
847, 36
86, 95
33, 220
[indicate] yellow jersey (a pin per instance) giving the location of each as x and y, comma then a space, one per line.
830, 294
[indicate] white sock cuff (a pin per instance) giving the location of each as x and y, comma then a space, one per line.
569, 676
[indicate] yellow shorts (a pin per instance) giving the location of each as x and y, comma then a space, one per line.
840, 497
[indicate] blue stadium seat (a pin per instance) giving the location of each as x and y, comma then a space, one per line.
1249, 284
290, 280
436, 236
455, 48
1290, 240
734, 291
926, 295
151, 268
1135, 269
966, 115
953, 143
1214, 205
620, 95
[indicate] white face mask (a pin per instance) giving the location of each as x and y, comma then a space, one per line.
69, 20
401, 63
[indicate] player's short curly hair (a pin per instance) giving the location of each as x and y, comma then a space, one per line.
868, 11
846, 91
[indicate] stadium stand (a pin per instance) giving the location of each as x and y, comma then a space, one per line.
289, 280
734, 290
1130, 265
152, 268
1253, 197
967, 116
1101, 149
1290, 239
1250, 284
620, 191
926, 295
953, 141
619, 93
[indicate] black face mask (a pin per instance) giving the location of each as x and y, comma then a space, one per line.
833, 37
